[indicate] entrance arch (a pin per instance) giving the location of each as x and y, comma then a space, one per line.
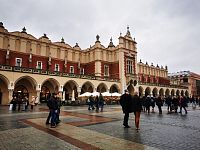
141, 91
172, 92
155, 92
186, 93
68, 89
48, 87
87, 87
4, 95
25, 87
114, 88
167, 93
182, 93
161, 92
147, 91
102, 88
177, 93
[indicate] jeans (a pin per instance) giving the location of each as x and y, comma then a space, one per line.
53, 117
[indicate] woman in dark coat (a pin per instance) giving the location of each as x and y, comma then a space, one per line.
137, 108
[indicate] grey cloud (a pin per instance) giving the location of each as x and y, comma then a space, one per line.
164, 30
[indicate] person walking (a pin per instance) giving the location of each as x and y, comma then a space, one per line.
101, 102
183, 104
91, 103
26, 103
137, 108
148, 103
159, 103
14, 103
97, 103
19, 102
53, 106
168, 101
32, 103
125, 102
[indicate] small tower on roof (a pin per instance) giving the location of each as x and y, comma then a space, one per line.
128, 32
62, 40
97, 39
111, 43
24, 30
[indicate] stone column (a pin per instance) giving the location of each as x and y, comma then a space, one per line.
63, 96
38, 97
38, 90
79, 90
10, 91
61, 92
10, 95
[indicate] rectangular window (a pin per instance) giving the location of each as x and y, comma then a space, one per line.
18, 62
82, 71
129, 66
57, 67
39, 65
71, 69
106, 70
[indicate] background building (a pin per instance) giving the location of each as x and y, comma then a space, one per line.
188, 79
31, 66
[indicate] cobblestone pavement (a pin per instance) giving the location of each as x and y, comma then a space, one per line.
83, 129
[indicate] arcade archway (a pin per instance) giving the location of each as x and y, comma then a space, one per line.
102, 88
4, 95
25, 87
155, 92
167, 92
172, 92
48, 87
177, 93
161, 92
147, 91
70, 90
141, 91
87, 87
114, 88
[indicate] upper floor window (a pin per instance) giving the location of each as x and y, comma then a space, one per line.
82, 71
71, 69
129, 66
57, 67
106, 70
39, 65
18, 62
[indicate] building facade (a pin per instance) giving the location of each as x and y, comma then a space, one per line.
188, 79
31, 66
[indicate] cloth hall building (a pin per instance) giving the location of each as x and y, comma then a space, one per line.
38, 67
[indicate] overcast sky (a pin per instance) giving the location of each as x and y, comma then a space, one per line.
167, 31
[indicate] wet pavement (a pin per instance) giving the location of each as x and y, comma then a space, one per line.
83, 129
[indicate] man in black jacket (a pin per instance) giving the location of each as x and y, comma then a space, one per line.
125, 102
53, 107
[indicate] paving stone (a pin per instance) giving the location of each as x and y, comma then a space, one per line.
166, 131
